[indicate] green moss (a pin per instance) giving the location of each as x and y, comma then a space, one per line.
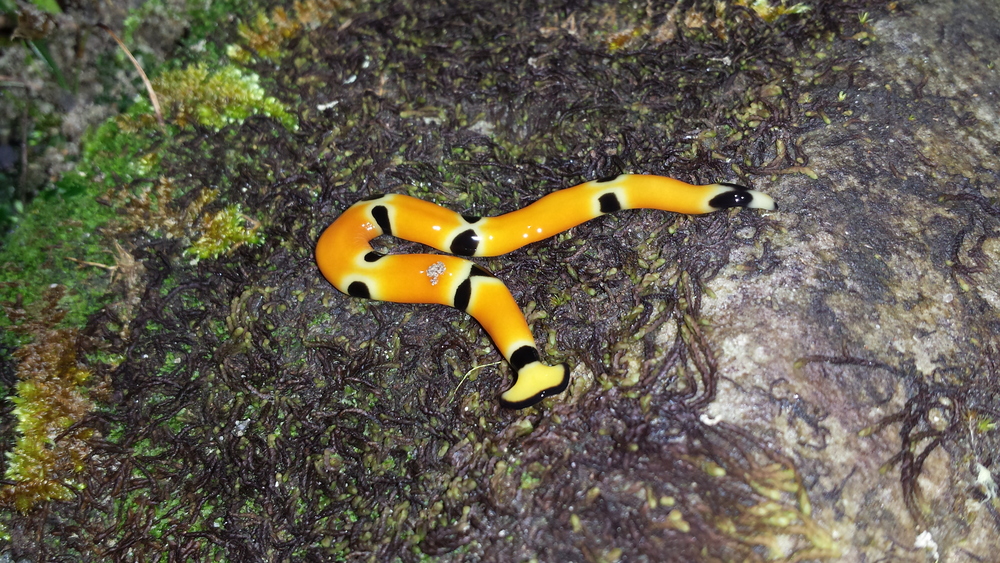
171, 518
58, 237
268, 32
770, 12
204, 19
985, 424
224, 232
49, 401
56, 242
214, 99
115, 155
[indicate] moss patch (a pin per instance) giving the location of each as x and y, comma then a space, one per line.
50, 449
212, 98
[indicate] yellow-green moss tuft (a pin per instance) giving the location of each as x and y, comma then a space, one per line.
216, 99
224, 232
196, 95
50, 449
267, 33
770, 12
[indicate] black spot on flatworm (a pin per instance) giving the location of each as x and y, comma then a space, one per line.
523, 356
471, 218
479, 271
609, 203
465, 244
373, 256
372, 197
463, 294
731, 199
381, 216
607, 178
358, 289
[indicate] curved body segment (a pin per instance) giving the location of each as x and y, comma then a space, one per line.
346, 258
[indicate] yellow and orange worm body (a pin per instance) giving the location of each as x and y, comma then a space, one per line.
346, 258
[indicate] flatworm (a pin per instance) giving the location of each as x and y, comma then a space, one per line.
346, 258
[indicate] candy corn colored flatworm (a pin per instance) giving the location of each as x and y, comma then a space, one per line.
350, 263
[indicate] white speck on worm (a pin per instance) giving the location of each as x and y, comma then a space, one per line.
435, 270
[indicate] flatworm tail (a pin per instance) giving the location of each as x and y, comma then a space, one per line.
346, 258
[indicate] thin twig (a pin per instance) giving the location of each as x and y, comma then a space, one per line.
145, 80
111, 269
95, 264
452, 394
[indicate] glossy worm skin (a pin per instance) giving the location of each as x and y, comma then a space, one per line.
346, 258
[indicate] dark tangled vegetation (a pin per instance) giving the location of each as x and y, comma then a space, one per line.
959, 410
257, 415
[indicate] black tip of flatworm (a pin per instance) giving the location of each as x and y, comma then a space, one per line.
541, 394
607, 178
736, 198
465, 243
373, 256
471, 218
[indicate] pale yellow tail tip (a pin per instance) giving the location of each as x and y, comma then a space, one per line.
534, 382
762, 201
